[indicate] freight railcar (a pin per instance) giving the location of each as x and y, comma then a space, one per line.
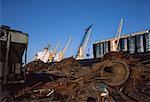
138, 42
13, 52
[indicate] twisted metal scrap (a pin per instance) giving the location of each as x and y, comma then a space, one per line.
125, 77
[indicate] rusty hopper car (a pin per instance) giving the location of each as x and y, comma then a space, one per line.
13, 51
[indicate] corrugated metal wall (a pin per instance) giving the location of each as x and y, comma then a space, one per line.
147, 38
132, 43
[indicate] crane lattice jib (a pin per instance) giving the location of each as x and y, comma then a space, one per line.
84, 43
119, 31
66, 46
55, 48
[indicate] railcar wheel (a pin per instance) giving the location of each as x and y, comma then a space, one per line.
118, 73
112, 55
113, 72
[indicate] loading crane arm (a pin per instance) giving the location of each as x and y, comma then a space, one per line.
118, 34
84, 42
59, 56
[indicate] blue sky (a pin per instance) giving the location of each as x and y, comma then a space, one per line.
50, 21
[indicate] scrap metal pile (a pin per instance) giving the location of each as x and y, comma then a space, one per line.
120, 76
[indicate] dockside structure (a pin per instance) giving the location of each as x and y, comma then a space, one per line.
137, 42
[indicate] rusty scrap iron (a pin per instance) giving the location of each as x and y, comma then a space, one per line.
124, 77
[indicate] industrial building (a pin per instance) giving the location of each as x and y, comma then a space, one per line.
137, 42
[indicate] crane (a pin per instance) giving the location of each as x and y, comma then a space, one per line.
55, 48
60, 55
52, 53
115, 42
118, 34
66, 46
84, 42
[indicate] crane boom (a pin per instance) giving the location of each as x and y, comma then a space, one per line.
59, 56
119, 31
66, 46
55, 48
84, 42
